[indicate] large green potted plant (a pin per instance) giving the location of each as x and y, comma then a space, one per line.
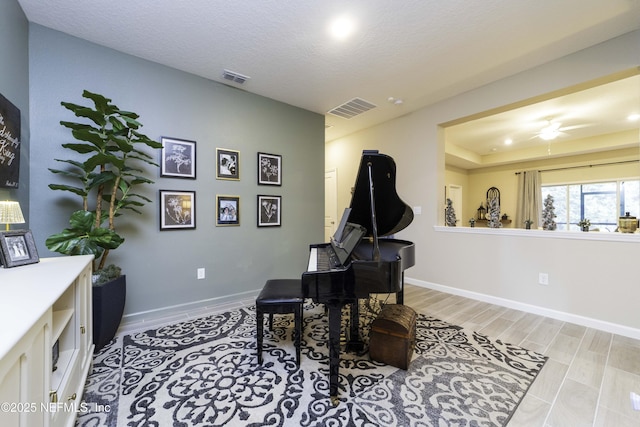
106, 168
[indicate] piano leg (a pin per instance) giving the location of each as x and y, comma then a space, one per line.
335, 321
400, 294
355, 343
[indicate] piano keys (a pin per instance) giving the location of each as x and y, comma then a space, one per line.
322, 259
336, 253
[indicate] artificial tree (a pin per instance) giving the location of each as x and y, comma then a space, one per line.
548, 214
494, 214
106, 177
450, 214
109, 140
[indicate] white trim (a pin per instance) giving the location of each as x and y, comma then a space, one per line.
178, 309
563, 235
244, 298
542, 311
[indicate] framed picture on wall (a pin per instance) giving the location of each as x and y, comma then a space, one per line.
269, 169
178, 158
10, 144
269, 211
177, 210
228, 210
17, 247
227, 164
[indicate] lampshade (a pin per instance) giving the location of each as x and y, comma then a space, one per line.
10, 213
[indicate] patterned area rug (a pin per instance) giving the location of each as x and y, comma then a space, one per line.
204, 372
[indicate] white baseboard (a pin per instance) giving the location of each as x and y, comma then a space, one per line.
239, 299
247, 297
542, 311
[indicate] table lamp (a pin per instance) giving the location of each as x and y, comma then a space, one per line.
10, 213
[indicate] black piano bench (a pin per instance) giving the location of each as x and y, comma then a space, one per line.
280, 296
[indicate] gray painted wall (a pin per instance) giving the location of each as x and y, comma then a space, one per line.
161, 265
14, 85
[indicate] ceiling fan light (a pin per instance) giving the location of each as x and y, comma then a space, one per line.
550, 132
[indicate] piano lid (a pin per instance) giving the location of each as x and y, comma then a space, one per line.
392, 214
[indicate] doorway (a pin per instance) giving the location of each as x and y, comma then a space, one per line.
330, 203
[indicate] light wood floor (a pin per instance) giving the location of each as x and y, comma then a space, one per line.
586, 381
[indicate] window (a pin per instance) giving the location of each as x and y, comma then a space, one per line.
602, 203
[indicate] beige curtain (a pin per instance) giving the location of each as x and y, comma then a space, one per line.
529, 199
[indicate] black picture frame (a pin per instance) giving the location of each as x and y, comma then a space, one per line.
17, 248
178, 158
227, 210
269, 169
177, 210
227, 164
10, 143
269, 211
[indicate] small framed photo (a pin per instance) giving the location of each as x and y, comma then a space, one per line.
178, 158
269, 169
177, 210
227, 164
18, 248
269, 210
228, 209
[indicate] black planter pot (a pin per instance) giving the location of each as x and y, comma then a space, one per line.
108, 306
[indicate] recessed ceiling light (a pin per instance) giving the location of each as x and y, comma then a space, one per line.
633, 117
342, 27
508, 141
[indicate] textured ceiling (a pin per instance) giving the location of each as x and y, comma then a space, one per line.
420, 51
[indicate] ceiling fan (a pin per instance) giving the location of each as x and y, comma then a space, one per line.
553, 129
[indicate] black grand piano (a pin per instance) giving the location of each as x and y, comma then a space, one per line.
374, 264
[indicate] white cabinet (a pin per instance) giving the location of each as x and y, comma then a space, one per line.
45, 309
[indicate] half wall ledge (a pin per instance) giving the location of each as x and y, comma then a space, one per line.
521, 232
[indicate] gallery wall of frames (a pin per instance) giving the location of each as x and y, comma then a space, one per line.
178, 206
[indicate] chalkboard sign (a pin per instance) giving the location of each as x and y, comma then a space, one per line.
9, 144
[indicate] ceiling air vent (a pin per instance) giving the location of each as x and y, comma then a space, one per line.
235, 77
352, 108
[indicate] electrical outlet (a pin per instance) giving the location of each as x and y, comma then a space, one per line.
543, 278
200, 273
